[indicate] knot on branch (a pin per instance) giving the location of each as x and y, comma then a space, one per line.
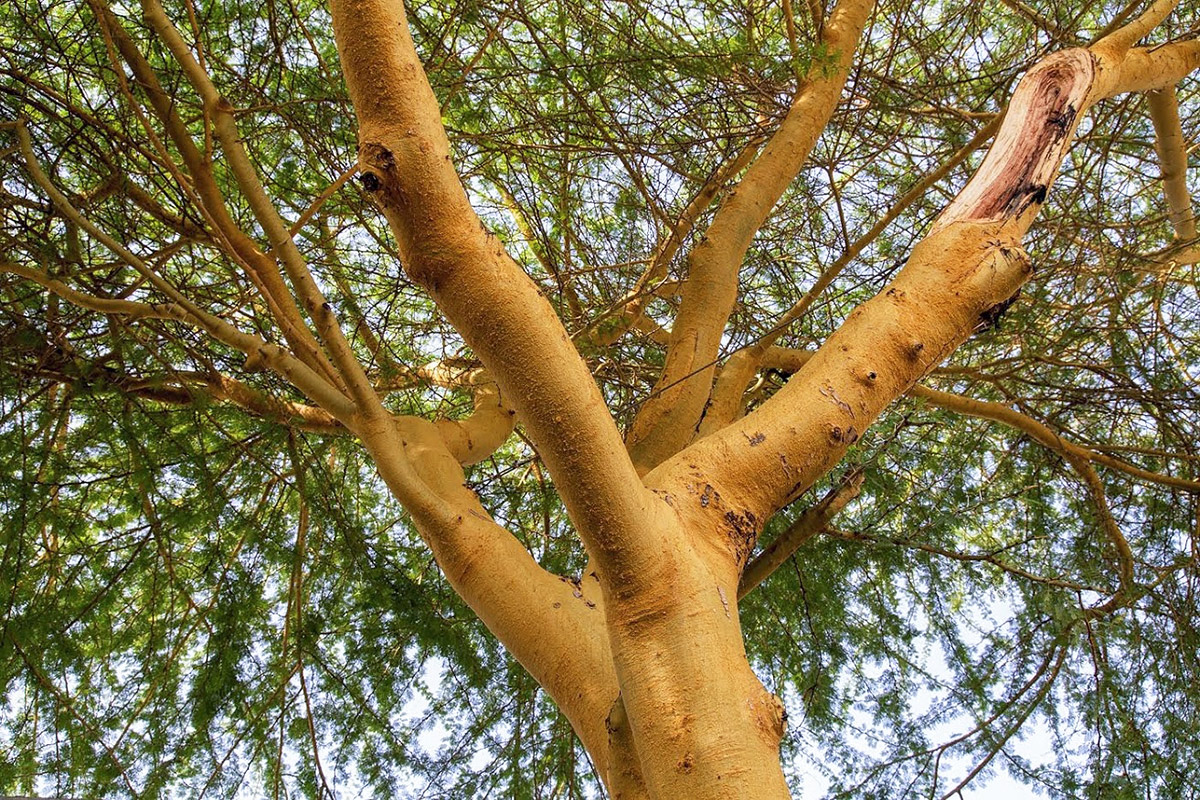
378, 166
370, 181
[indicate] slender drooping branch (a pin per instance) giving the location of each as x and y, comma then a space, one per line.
282, 243
805, 527
183, 309
1044, 435
628, 311
200, 183
1172, 155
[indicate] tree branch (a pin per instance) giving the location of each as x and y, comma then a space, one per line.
958, 555
804, 528
1130, 34
668, 418
406, 164
630, 308
1044, 435
1172, 155
181, 308
793, 361
553, 626
475, 438
725, 405
970, 262
319, 310
203, 187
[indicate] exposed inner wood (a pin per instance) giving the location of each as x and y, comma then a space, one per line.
1038, 129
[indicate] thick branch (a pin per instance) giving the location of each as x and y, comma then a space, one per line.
553, 626
1012, 182
792, 361
1129, 35
475, 438
767, 458
406, 163
970, 262
1145, 69
726, 402
625, 779
668, 419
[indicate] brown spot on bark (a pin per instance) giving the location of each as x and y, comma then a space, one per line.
743, 533
831, 393
757, 439
686, 763
772, 715
377, 156
370, 181
990, 317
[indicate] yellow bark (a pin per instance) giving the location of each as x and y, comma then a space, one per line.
667, 420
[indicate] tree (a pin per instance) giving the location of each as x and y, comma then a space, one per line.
685, 346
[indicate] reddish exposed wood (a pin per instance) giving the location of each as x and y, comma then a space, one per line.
1040, 125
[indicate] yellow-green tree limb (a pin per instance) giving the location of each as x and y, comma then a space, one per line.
553, 626
476, 437
282, 243
970, 262
262, 269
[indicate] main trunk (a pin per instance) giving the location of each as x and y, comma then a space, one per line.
702, 723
